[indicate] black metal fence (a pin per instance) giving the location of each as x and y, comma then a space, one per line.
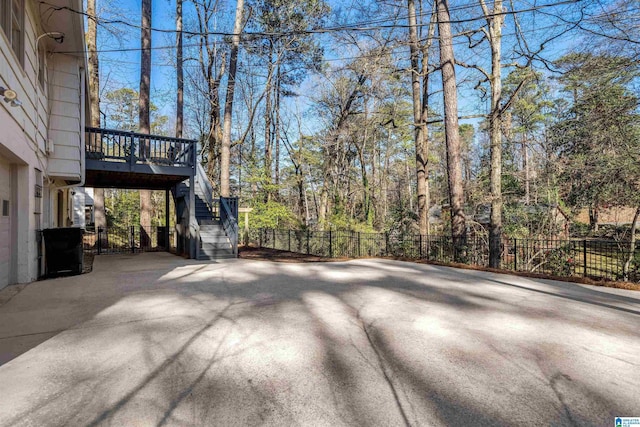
597, 259
131, 239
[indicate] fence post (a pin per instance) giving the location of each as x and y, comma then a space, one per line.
359, 250
515, 254
330, 245
100, 230
308, 242
428, 246
289, 239
386, 243
273, 235
132, 233
420, 249
584, 257
260, 230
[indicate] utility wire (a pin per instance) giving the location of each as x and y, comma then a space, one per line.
332, 59
399, 44
322, 30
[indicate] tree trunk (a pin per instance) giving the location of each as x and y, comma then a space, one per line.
267, 125
144, 120
225, 153
424, 153
452, 135
93, 64
527, 174
179, 72
495, 20
420, 127
276, 130
632, 245
593, 217
94, 101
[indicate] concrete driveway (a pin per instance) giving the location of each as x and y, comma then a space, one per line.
153, 339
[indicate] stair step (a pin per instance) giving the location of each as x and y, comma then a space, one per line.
218, 254
214, 238
215, 257
217, 226
212, 233
214, 250
219, 240
206, 221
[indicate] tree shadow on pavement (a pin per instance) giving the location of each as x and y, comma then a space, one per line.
355, 343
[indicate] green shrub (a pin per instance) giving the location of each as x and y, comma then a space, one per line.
272, 214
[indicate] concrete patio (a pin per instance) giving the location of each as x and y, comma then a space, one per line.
154, 339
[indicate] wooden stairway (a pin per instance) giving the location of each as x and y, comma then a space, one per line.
214, 243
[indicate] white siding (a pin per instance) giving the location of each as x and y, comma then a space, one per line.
64, 125
25, 129
5, 223
24, 80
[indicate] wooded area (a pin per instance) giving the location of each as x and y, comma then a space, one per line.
479, 118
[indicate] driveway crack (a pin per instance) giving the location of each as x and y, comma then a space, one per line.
383, 368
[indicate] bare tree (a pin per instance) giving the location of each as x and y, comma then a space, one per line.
632, 244
94, 99
144, 125
420, 111
452, 136
225, 152
179, 72
211, 63
494, 35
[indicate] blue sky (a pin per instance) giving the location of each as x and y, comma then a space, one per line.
122, 69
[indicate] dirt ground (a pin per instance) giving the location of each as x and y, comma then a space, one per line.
275, 255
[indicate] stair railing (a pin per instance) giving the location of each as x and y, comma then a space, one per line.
205, 186
229, 220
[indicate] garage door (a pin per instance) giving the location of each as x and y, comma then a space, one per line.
5, 222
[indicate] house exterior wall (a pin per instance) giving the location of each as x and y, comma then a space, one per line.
65, 128
613, 215
41, 141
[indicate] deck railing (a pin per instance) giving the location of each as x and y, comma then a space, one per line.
131, 147
229, 220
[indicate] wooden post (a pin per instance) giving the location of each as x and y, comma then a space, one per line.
192, 235
166, 221
308, 242
515, 254
246, 228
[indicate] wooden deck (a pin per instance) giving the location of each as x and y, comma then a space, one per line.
120, 159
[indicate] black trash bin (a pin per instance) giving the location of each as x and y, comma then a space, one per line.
160, 237
63, 250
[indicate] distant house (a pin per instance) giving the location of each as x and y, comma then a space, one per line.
544, 221
43, 102
609, 215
